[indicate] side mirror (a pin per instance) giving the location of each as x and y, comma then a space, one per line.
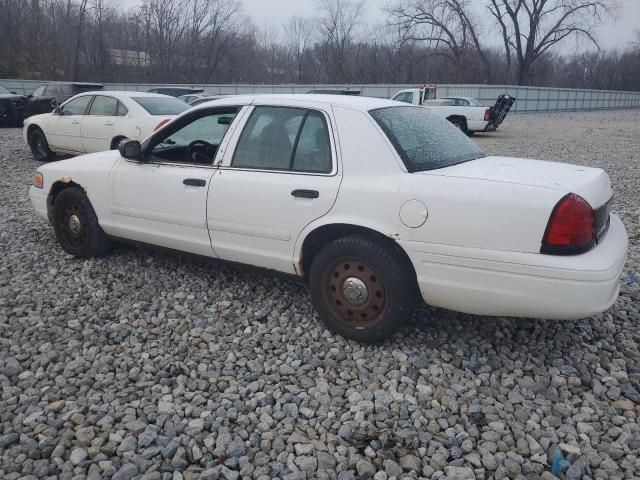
13, 92
130, 149
54, 103
30, 96
57, 111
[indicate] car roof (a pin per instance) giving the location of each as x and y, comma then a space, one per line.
363, 104
124, 94
78, 84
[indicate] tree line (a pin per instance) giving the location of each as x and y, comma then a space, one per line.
214, 41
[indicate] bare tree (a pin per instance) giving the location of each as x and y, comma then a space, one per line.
339, 22
531, 28
299, 33
440, 23
76, 57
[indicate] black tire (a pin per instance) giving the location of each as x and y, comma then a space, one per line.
461, 123
39, 146
76, 225
390, 288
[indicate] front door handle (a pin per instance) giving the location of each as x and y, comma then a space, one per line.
305, 193
75, 122
109, 123
194, 182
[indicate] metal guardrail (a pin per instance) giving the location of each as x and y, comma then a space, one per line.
529, 99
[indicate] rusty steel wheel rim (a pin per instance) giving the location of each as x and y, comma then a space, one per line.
354, 291
72, 226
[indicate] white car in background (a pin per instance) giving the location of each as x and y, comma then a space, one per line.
371, 201
98, 121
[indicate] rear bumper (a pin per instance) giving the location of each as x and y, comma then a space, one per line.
514, 284
478, 126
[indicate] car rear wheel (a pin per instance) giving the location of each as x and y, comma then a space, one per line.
39, 146
76, 225
461, 123
363, 289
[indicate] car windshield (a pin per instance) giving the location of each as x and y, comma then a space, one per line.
423, 140
4, 91
161, 105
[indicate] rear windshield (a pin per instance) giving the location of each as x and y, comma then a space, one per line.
423, 140
161, 106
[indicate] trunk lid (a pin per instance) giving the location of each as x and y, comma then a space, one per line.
592, 184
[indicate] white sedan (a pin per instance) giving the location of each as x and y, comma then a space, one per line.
98, 121
371, 201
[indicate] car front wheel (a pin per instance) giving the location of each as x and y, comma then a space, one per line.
362, 288
76, 225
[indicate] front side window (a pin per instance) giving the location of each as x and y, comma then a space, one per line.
423, 140
77, 106
104, 106
161, 105
50, 91
286, 139
196, 142
38, 92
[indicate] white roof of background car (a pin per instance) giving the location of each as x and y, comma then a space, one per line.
363, 104
459, 96
122, 94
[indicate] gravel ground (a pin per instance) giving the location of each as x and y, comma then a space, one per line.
147, 364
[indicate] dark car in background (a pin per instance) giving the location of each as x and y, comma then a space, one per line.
198, 98
14, 108
176, 91
334, 91
49, 95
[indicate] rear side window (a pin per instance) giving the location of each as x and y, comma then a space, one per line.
161, 105
285, 139
50, 91
423, 140
122, 110
406, 97
103, 106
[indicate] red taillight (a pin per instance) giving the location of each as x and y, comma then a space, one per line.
572, 226
162, 123
487, 115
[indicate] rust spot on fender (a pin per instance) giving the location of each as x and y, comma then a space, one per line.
394, 236
65, 179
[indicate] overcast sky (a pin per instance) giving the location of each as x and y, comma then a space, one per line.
274, 13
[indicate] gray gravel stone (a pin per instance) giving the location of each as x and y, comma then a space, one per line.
163, 363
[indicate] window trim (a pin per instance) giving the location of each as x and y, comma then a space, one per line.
228, 163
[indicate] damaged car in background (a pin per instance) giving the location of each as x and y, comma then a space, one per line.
14, 108
375, 204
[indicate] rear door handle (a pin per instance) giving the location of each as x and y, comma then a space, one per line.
109, 123
75, 122
306, 193
194, 182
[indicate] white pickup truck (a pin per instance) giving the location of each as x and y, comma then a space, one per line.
466, 113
